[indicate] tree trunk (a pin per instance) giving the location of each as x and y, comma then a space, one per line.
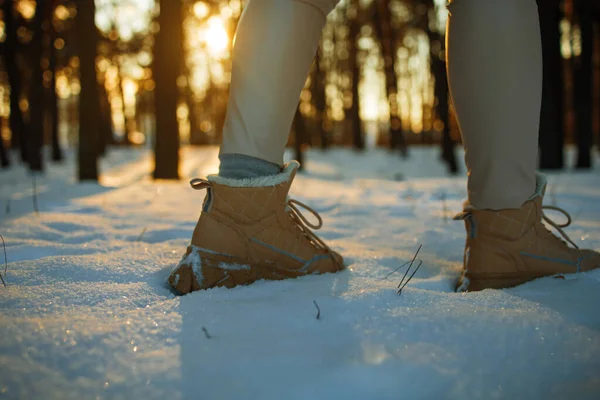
57, 154
167, 60
36, 93
300, 136
197, 136
583, 85
15, 121
597, 90
106, 122
387, 38
320, 101
437, 56
102, 137
126, 121
442, 110
4, 160
89, 113
551, 135
354, 110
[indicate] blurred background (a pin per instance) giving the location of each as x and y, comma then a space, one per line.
88, 76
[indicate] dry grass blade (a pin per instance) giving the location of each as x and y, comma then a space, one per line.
402, 284
444, 208
397, 269
206, 332
5, 262
139, 239
35, 201
410, 277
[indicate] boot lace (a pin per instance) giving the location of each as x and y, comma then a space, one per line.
305, 225
557, 226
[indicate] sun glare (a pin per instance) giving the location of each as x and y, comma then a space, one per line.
215, 36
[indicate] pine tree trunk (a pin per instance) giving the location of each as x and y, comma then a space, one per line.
387, 38
320, 101
583, 85
437, 55
443, 112
106, 123
15, 121
57, 154
354, 110
36, 94
197, 137
4, 160
167, 58
300, 136
89, 113
597, 90
126, 120
101, 146
551, 136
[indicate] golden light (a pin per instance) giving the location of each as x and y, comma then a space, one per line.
137, 137
61, 12
215, 36
226, 12
130, 89
75, 87
26, 8
59, 44
74, 62
200, 10
24, 105
103, 64
62, 86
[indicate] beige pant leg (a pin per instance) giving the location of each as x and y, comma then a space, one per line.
275, 44
495, 77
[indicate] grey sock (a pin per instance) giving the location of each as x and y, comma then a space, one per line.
240, 166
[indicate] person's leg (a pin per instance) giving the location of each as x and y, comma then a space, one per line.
275, 44
249, 229
495, 77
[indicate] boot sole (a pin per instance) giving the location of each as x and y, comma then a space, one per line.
226, 271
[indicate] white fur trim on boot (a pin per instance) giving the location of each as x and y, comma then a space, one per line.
271, 180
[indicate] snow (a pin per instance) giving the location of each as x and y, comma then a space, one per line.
87, 313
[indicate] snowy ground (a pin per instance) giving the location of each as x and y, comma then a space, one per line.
87, 313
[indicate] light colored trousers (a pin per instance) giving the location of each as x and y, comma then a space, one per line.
495, 77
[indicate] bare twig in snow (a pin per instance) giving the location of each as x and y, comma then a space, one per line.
35, 200
396, 270
444, 207
402, 283
5, 262
206, 332
420, 262
318, 309
139, 239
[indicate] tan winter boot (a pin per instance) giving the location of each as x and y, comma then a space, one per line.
509, 247
250, 230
